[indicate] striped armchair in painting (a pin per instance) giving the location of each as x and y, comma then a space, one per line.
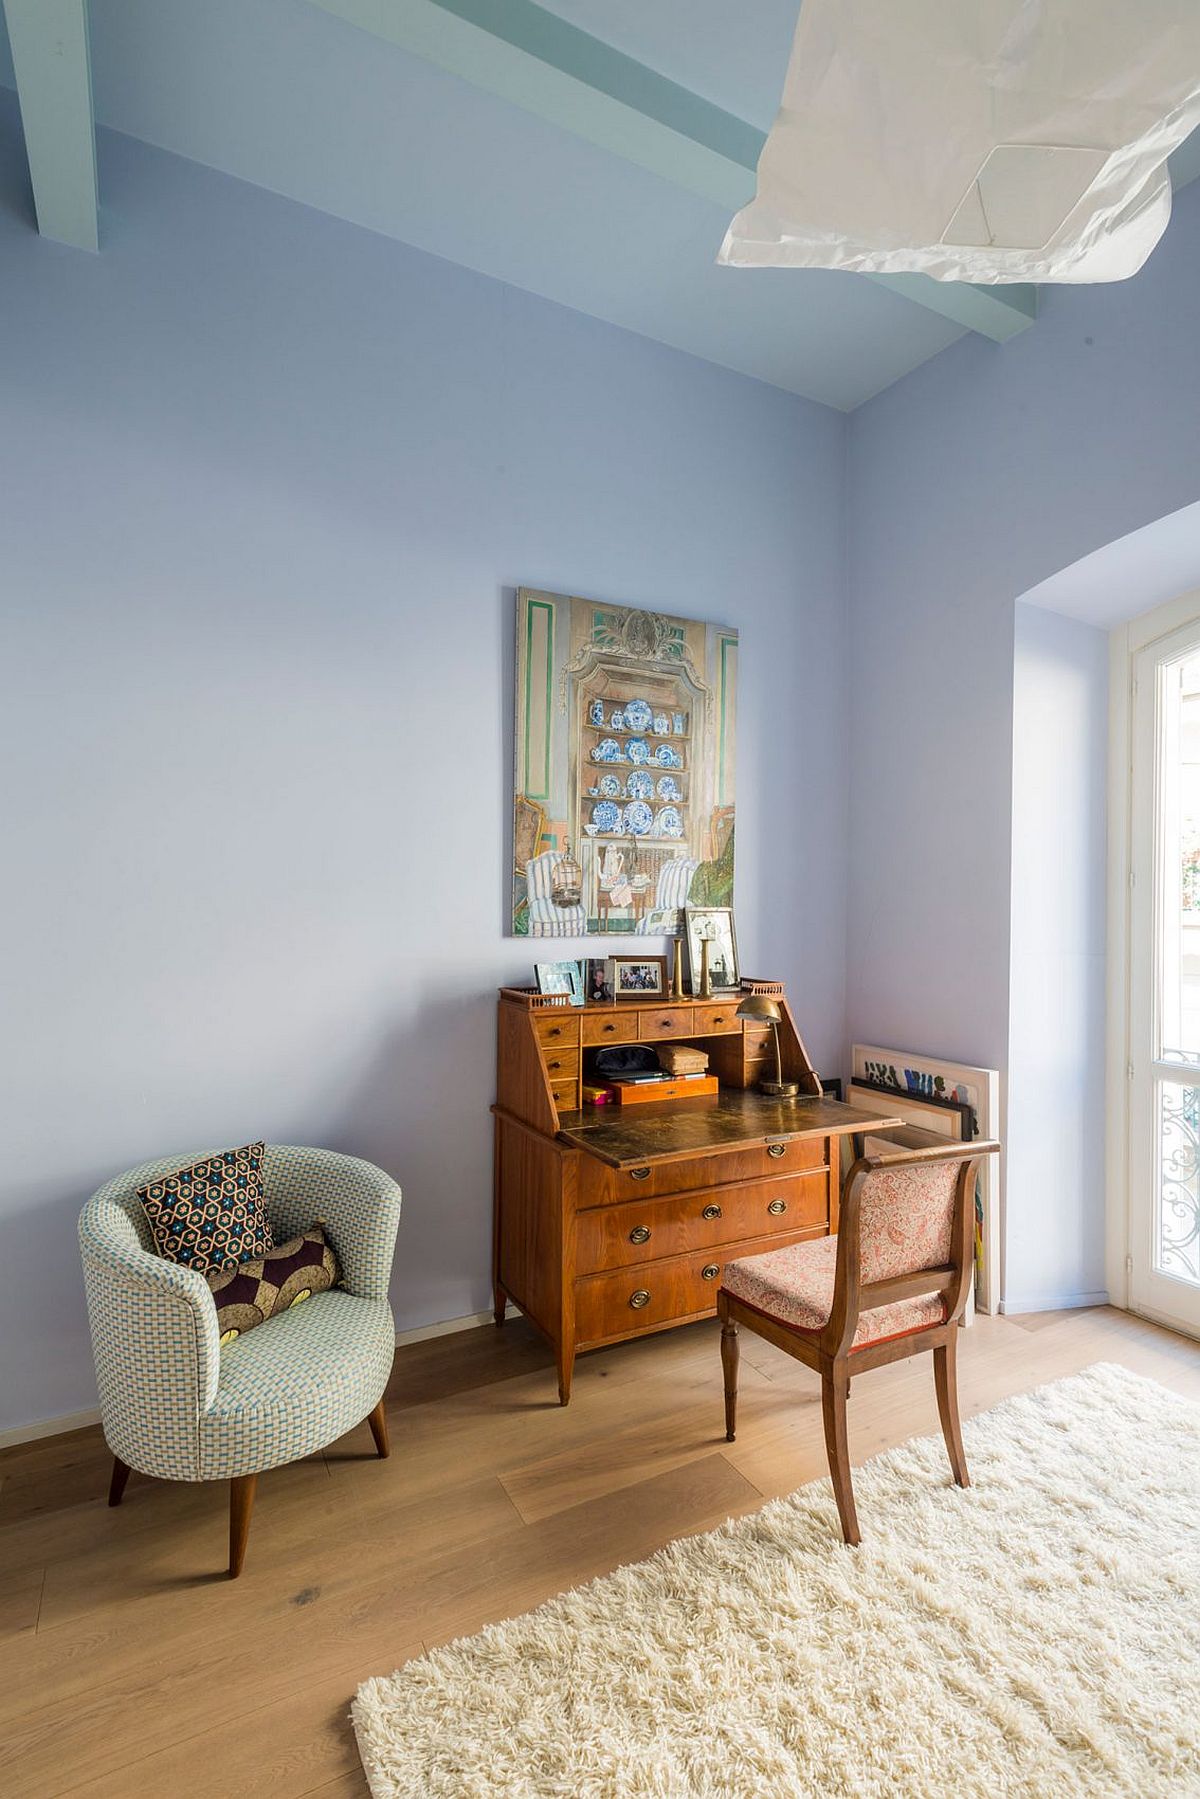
670, 896
545, 918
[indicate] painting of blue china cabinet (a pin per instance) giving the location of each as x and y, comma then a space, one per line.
609, 697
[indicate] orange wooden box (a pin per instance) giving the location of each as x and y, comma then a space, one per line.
639, 1093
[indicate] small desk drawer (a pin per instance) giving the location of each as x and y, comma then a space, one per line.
557, 1026
560, 1064
565, 1095
610, 1027
621, 1236
665, 1021
709, 1019
609, 1306
600, 1185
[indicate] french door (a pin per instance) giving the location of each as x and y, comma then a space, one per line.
1164, 979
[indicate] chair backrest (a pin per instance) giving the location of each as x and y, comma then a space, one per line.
907, 1230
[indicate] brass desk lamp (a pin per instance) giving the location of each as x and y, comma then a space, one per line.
766, 1011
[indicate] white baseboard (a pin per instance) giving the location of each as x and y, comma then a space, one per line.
56, 1427
449, 1326
50, 1427
1052, 1302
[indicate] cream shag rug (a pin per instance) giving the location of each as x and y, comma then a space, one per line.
1037, 1635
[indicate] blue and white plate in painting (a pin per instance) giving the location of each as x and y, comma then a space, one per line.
662, 725
596, 712
637, 715
637, 750
606, 815
607, 750
669, 823
668, 788
638, 818
666, 757
639, 785
610, 786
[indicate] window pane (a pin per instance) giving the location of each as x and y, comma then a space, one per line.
1177, 1224
1179, 864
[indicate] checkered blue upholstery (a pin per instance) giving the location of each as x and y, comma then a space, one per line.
172, 1402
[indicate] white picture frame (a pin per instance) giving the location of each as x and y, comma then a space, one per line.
910, 1074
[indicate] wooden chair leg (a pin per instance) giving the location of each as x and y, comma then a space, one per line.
378, 1423
834, 1390
730, 1357
566, 1368
945, 1375
241, 1504
116, 1485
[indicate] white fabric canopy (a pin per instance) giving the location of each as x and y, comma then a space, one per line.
975, 140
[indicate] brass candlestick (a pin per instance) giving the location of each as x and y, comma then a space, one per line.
705, 974
677, 971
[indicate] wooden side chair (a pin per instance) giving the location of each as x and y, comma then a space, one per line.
892, 1283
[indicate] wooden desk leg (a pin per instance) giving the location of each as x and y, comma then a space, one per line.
566, 1367
499, 1296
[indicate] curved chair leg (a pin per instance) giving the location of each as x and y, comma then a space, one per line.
730, 1356
945, 1376
241, 1504
834, 1390
378, 1423
116, 1485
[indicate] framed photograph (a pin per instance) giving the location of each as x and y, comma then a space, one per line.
595, 986
924, 1078
637, 977
714, 924
560, 977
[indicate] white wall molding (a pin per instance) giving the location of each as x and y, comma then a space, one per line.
1052, 1302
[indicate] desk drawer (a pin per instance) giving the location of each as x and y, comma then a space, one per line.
665, 1021
557, 1027
710, 1019
610, 1306
600, 1185
610, 1027
560, 1064
565, 1095
647, 1231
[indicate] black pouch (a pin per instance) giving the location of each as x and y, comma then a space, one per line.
626, 1058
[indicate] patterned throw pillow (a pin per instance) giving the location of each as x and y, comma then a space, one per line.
210, 1215
292, 1272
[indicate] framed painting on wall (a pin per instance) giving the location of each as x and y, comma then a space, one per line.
932, 1084
626, 726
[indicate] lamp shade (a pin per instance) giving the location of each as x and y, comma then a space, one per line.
760, 1006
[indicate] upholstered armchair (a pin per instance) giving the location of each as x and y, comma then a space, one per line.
175, 1404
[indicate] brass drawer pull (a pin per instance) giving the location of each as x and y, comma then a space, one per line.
639, 1299
776, 1149
639, 1174
710, 1271
640, 1233
711, 1212
777, 1206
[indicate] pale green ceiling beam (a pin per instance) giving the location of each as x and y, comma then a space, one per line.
49, 40
547, 66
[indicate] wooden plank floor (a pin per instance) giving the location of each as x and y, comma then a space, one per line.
129, 1665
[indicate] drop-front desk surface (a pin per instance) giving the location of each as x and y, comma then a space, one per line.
613, 1223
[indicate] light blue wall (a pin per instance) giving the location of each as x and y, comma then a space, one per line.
1056, 1049
972, 480
266, 485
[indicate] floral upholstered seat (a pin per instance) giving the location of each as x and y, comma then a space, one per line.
905, 1221
795, 1285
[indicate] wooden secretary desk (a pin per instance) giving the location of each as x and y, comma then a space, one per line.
612, 1222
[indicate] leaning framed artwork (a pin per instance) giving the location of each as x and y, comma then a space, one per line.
625, 768
931, 1084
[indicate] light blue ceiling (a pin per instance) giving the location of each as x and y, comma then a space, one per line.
282, 94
